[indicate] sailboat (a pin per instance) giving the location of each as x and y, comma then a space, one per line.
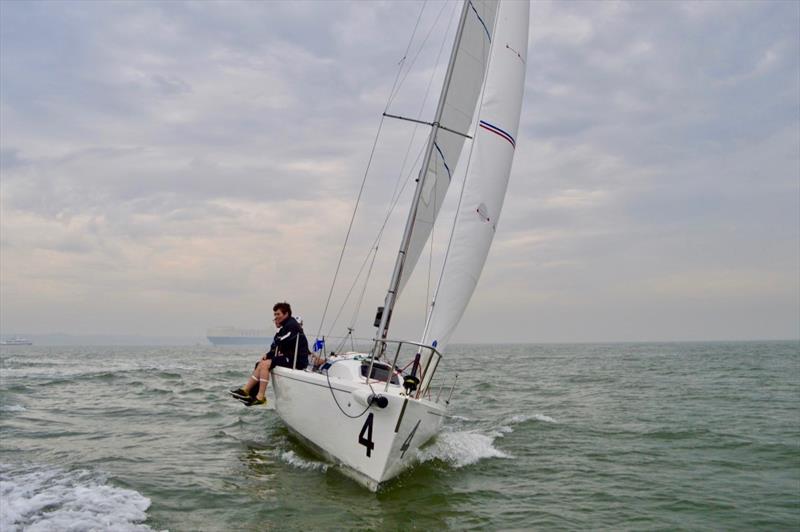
368, 412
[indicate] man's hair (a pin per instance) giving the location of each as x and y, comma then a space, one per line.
284, 307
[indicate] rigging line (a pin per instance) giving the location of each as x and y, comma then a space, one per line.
374, 252
369, 402
396, 87
366, 172
395, 193
395, 198
463, 187
341, 344
402, 168
430, 262
376, 242
421, 110
350, 291
363, 291
396, 90
356, 338
373, 249
350, 226
405, 55
398, 280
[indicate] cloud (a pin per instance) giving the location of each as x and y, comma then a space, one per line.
167, 167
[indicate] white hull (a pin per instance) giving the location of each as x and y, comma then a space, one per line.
371, 448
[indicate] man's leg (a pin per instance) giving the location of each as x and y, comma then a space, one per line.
253, 380
262, 371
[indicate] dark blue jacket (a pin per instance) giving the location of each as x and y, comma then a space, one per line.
288, 338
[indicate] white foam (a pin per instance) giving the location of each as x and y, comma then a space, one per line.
460, 449
500, 431
521, 418
12, 408
37, 499
292, 459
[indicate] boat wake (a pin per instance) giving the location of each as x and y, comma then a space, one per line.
460, 449
45, 498
291, 458
522, 418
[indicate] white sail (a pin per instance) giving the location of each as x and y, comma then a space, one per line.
487, 175
457, 108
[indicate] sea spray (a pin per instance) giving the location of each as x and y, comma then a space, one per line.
461, 449
40, 498
291, 458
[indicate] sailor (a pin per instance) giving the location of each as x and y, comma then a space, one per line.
289, 342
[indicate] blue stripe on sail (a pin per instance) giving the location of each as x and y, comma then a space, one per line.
449, 176
488, 36
497, 131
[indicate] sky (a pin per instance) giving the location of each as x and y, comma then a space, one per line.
171, 166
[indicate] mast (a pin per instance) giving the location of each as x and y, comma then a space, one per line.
391, 294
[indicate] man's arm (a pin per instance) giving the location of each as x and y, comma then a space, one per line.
271, 350
287, 337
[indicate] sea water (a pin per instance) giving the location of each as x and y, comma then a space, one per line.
611, 436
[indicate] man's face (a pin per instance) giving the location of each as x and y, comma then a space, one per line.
279, 316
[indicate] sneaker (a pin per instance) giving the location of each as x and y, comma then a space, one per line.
246, 401
257, 402
239, 393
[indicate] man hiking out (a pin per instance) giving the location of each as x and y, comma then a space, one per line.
289, 342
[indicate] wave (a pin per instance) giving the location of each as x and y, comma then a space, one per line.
522, 418
291, 458
12, 408
46, 498
461, 449
517, 419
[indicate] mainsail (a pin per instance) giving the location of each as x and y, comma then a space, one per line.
454, 117
487, 175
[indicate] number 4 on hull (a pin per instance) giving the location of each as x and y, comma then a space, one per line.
407, 443
367, 442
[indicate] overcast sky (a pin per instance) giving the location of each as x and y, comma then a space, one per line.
172, 166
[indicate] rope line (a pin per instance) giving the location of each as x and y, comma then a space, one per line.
396, 90
369, 402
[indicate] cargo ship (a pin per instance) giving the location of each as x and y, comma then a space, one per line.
236, 336
17, 340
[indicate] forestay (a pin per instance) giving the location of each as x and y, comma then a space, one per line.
487, 175
455, 114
